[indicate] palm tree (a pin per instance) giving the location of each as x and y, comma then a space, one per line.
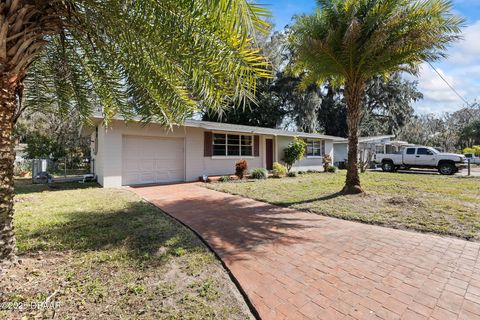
351, 41
156, 59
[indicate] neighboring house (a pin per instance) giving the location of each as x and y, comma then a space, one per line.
20, 153
367, 146
392, 147
133, 153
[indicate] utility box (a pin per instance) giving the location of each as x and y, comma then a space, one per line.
40, 171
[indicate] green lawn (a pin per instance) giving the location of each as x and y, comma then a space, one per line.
104, 253
448, 205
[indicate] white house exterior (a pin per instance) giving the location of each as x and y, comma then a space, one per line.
133, 153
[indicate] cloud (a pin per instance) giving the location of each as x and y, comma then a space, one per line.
467, 51
437, 96
435, 88
461, 69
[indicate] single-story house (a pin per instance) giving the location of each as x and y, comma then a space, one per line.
367, 146
134, 153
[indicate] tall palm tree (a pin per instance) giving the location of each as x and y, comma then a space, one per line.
151, 58
351, 41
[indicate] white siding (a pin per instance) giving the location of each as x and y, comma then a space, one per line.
306, 163
97, 157
109, 159
340, 152
197, 165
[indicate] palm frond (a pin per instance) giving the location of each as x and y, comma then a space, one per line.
154, 59
364, 38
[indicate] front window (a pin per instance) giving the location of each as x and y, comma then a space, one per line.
314, 148
232, 145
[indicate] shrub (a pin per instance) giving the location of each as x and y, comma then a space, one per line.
224, 179
342, 165
327, 161
279, 170
474, 149
294, 152
292, 174
241, 168
259, 173
331, 169
23, 168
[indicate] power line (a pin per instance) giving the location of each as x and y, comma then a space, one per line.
450, 86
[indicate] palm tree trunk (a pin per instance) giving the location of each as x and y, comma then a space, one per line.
8, 103
354, 95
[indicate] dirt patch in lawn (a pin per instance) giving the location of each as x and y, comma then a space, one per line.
404, 201
71, 286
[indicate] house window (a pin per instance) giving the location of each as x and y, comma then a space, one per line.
314, 148
233, 145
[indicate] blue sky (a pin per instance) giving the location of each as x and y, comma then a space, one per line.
461, 68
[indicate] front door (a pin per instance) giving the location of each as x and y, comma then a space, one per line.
269, 153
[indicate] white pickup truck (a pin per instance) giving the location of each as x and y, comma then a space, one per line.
474, 159
422, 157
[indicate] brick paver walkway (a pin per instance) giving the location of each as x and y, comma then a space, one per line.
296, 265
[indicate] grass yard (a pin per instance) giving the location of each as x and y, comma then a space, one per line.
104, 253
447, 205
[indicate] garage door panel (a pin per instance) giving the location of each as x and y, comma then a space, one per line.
170, 154
147, 165
133, 178
166, 164
163, 176
131, 164
147, 177
152, 160
174, 174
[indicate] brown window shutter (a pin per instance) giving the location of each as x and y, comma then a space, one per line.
323, 147
256, 146
207, 144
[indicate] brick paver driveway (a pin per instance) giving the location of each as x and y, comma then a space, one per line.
298, 265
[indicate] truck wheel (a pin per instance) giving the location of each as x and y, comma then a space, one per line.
446, 168
388, 166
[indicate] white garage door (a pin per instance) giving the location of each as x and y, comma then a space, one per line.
152, 160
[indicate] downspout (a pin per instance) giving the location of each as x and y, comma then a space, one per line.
275, 149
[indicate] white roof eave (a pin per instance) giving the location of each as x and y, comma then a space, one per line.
226, 127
